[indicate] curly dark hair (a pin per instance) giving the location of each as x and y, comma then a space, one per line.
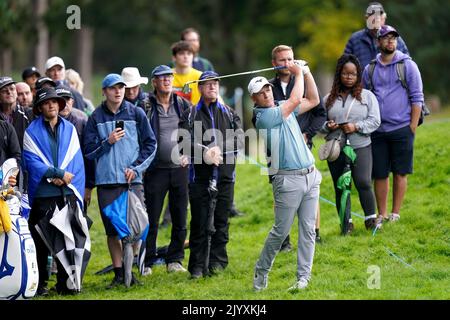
338, 86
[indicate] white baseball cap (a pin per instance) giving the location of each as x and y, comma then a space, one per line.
54, 61
132, 77
256, 84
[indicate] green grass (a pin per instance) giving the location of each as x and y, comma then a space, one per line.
420, 242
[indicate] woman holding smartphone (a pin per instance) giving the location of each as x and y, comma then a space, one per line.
353, 114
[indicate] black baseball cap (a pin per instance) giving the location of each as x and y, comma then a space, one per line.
28, 72
6, 81
43, 80
64, 91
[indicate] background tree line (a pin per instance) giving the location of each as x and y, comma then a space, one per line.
236, 35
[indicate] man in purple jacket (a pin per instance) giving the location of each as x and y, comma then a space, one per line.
400, 108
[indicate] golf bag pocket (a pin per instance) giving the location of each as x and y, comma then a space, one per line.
18, 265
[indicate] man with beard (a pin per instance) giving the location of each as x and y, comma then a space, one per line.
400, 108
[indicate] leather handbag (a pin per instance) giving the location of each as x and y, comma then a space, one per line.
330, 150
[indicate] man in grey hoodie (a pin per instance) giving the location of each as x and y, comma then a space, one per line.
400, 108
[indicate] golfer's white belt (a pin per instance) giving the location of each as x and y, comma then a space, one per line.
299, 172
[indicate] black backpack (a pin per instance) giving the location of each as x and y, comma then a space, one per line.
400, 67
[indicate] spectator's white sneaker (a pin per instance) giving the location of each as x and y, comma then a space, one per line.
175, 267
260, 281
394, 217
147, 271
299, 285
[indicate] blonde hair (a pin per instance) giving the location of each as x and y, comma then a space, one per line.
75, 80
280, 48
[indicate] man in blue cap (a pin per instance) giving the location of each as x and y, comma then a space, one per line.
215, 132
114, 127
168, 172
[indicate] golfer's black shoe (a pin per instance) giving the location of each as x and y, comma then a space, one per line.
215, 269
117, 281
235, 213
371, 223
64, 291
286, 247
348, 230
318, 238
42, 291
196, 275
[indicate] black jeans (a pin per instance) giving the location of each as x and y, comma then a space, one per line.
361, 174
40, 208
157, 183
198, 241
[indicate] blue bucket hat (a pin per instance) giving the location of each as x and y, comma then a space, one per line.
161, 70
208, 75
111, 80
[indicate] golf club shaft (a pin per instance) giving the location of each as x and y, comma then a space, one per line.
237, 74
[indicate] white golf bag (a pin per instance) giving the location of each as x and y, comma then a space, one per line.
18, 265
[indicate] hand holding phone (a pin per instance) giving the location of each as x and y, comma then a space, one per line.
116, 134
120, 124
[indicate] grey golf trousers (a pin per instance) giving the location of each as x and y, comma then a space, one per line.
293, 194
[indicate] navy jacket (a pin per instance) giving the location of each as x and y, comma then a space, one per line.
136, 150
364, 46
9, 143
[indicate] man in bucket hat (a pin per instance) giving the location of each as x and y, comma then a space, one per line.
133, 91
295, 180
49, 177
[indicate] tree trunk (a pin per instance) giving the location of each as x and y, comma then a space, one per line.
6, 61
41, 50
85, 46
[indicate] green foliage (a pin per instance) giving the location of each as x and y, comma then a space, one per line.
236, 35
412, 254
424, 26
12, 13
327, 33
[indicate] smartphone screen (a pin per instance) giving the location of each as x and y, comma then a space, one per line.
120, 124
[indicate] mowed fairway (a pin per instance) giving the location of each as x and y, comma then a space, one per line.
409, 259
